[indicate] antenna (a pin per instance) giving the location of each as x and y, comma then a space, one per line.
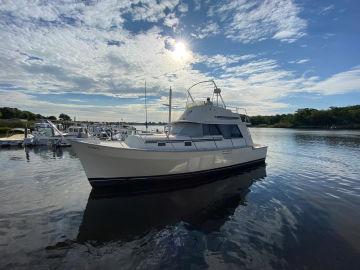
146, 118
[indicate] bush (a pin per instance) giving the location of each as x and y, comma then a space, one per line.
4, 130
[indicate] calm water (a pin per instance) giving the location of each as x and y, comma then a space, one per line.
300, 211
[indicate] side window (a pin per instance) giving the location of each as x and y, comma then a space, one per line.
211, 129
206, 131
214, 130
235, 132
225, 131
230, 131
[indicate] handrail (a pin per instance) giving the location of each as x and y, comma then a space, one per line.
237, 109
188, 90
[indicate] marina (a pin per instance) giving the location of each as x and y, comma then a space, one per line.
46, 133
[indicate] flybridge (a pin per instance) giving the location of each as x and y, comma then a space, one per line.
218, 101
215, 96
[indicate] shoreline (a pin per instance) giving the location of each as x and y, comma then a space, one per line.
308, 128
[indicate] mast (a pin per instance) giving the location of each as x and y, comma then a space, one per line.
170, 99
146, 118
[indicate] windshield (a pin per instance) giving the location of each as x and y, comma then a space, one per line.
187, 129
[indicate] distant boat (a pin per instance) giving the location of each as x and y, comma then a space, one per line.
208, 138
76, 132
17, 137
47, 134
111, 132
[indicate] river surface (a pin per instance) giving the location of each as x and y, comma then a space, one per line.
300, 211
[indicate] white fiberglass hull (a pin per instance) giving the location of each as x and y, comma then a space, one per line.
106, 165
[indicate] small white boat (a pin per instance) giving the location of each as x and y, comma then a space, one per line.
17, 137
208, 138
76, 132
111, 132
47, 134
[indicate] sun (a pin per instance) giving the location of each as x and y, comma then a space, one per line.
180, 52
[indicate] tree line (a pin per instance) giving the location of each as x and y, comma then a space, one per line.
334, 117
337, 117
14, 113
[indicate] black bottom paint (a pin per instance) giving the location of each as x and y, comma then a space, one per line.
169, 182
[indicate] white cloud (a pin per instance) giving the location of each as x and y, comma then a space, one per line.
223, 61
171, 20
183, 7
152, 10
128, 112
327, 9
209, 29
339, 83
250, 21
91, 52
300, 61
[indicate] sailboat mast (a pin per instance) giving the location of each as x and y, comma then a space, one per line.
146, 118
170, 99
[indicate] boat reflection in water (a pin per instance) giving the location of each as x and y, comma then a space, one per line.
110, 216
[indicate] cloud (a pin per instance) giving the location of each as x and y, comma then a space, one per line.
72, 47
209, 29
183, 7
128, 112
151, 10
171, 20
301, 61
251, 21
224, 61
327, 9
342, 82
256, 83
197, 4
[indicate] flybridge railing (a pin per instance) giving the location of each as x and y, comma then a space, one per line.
242, 112
195, 103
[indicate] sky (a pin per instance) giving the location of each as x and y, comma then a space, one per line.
91, 58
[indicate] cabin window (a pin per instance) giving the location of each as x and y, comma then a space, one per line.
226, 130
235, 132
210, 129
187, 143
161, 144
186, 129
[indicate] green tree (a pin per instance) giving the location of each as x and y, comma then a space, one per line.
64, 117
52, 118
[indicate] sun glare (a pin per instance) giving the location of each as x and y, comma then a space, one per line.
180, 52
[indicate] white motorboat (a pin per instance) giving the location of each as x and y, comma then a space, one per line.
17, 137
111, 132
208, 138
76, 132
46, 133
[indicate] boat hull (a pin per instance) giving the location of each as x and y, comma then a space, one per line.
116, 166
